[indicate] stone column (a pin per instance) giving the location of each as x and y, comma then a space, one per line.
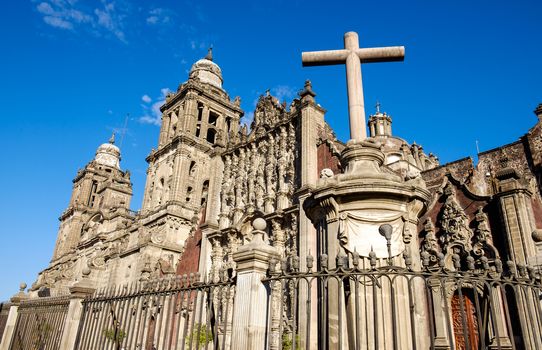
180, 174
311, 119
162, 139
251, 296
78, 292
12, 317
190, 114
514, 200
203, 123
500, 338
216, 167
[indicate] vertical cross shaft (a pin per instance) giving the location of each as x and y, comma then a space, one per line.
352, 57
356, 109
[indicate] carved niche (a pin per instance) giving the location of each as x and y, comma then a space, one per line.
456, 239
454, 222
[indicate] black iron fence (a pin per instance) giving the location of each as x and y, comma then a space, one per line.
40, 323
369, 303
349, 302
173, 313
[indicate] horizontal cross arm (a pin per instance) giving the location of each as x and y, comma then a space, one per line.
381, 54
324, 58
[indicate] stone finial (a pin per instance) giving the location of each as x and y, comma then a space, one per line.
259, 224
22, 287
307, 92
538, 111
86, 272
537, 235
209, 55
254, 256
377, 107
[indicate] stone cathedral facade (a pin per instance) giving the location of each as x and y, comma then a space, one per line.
210, 176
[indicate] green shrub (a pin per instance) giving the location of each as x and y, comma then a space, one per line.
110, 334
288, 344
199, 335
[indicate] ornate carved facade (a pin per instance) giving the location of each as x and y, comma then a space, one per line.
209, 177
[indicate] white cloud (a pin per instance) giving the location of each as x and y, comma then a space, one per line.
283, 92
198, 45
146, 99
57, 22
159, 16
72, 15
45, 9
110, 20
152, 114
147, 119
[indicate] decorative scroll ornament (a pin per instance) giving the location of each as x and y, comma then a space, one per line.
483, 244
454, 222
430, 246
358, 232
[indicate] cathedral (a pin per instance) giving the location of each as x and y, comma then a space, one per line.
210, 177
209, 174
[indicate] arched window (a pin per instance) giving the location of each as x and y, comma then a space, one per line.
211, 135
228, 124
192, 169
213, 118
92, 197
200, 111
204, 191
189, 191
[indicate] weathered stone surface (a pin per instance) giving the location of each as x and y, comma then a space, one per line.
210, 177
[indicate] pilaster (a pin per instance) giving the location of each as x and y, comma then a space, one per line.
311, 120
79, 291
251, 296
11, 322
514, 200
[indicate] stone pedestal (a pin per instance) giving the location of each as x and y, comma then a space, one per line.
79, 291
251, 296
12, 317
348, 210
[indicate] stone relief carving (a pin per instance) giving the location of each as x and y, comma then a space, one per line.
269, 111
457, 243
454, 222
259, 176
359, 232
483, 242
326, 173
97, 257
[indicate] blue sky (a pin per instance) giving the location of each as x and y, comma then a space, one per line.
72, 70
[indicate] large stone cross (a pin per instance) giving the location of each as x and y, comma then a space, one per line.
353, 56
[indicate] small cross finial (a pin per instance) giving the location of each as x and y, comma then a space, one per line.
377, 107
209, 55
112, 138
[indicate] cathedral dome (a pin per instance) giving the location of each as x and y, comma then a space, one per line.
108, 154
206, 71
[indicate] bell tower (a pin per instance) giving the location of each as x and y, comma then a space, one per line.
100, 186
197, 122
